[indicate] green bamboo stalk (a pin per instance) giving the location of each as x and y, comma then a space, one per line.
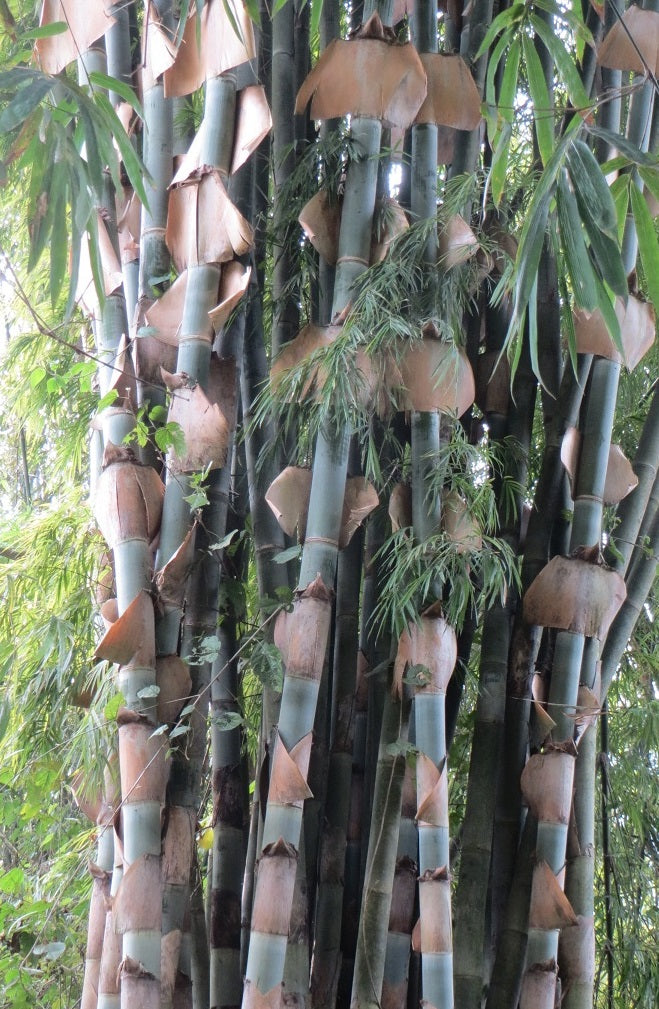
569, 649
295, 987
331, 860
369, 966
229, 808
586, 528
228, 820
430, 703
471, 939
314, 822
195, 342
265, 964
588, 67
304, 127
199, 952
329, 29
154, 260
120, 40
354, 870
526, 639
580, 875
640, 578
111, 325
467, 145
104, 949
609, 112
101, 872
632, 509
375, 645
395, 982
506, 979
606, 852
579, 881
285, 323
429, 707
108, 982
271, 578
577, 943
142, 788
475, 858
638, 132
157, 157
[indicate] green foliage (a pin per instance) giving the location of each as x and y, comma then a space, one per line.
633, 816
57, 144
414, 571
44, 890
61, 137
392, 300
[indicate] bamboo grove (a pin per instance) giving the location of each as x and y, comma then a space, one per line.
363, 297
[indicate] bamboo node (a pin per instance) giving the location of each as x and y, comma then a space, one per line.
317, 590
280, 849
441, 873
97, 872
126, 716
130, 967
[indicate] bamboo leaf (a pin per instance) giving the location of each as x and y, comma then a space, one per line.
505, 108
45, 31
620, 194
605, 252
503, 20
509, 82
59, 246
500, 163
40, 221
573, 18
591, 186
569, 323
648, 246
5, 712
493, 63
533, 232
577, 259
605, 306
91, 145
120, 88
184, 11
316, 11
252, 8
624, 146
135, 170
76, 238
95, 259
528, 257
23, 103
650, 177
231, 15
10, 79
543, 113
533, 329
564, 62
